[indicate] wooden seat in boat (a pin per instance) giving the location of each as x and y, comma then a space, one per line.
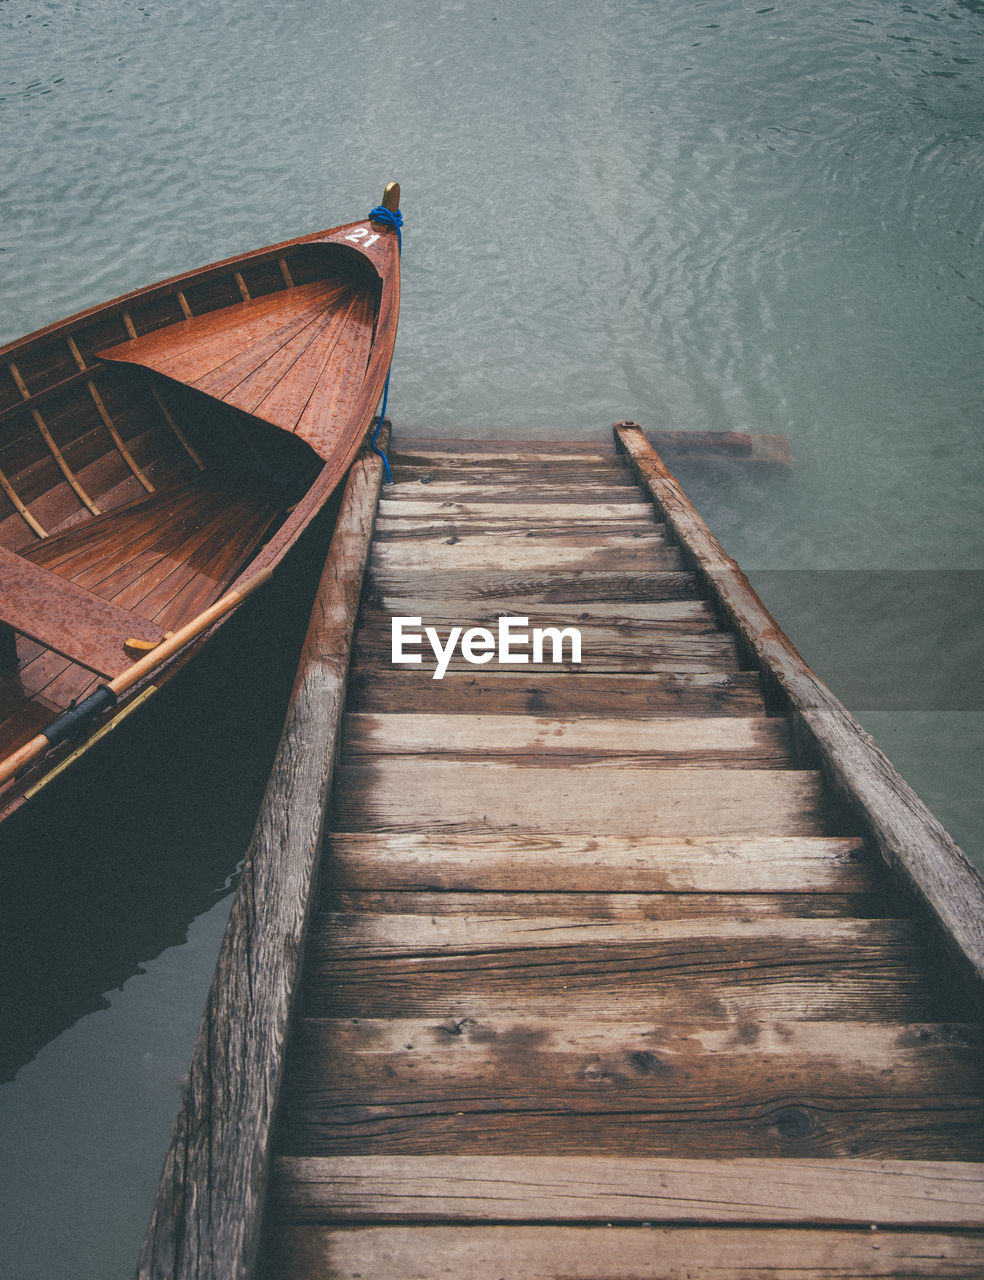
67, 618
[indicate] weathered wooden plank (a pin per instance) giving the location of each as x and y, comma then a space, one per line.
621, 536
607, 1049
543, 492
543, 861
736, 693
519, 514
455, 448
730, 972
516, 473
740, 742
575, 588
67, 618
518, 542
620, 1253
631, 1088
674, 944
733, 989
611, 905
601, 649
396, 528
206, 1217
403, 795
920, 1127
764, 448
631, 618
911, 840
912, 1194
525, 556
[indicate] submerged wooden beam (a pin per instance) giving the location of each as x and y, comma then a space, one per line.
206, 1219
910, 839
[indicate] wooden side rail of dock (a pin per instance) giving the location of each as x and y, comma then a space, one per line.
207, 1215
641, 966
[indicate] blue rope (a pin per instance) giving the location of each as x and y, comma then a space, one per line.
389, 218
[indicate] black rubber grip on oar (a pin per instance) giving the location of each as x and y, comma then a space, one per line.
76, 721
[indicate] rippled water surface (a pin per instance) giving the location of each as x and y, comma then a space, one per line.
717, 215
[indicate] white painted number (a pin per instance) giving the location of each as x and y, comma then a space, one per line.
360, 233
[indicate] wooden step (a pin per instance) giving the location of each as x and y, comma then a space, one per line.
601, 649
524, 555
396, 528
550, 1189
519, 514
646, 1252
632, 618
536, 692
741, 743
632, 1088
499, 860
615, 904
732, 972
512, 473
678, 946
543, 492
518, 541
569, 587
394, 794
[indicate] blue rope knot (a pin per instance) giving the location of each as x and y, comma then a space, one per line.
389, 218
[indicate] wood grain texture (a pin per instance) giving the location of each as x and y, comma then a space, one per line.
735, 693
124, 436
633, 619
611, 471
545, 492
65, 617
911, 840
912, 1194
206, 1217
518, 514
672, 944
742, 743
634, 1088
547, 862
454, 968
601, 649
612, 904
523, 554
620, 1253
401, 527
392, 794
576, 588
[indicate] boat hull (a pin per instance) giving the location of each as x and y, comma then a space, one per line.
161, 450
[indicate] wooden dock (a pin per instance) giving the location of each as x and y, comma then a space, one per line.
646, 966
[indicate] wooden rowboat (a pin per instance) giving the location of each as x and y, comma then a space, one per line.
159, 455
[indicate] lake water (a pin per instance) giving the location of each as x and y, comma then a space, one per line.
714, 215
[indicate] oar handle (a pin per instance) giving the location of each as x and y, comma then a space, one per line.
169, 646
38, 745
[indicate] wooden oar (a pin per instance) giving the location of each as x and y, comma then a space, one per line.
74, 721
